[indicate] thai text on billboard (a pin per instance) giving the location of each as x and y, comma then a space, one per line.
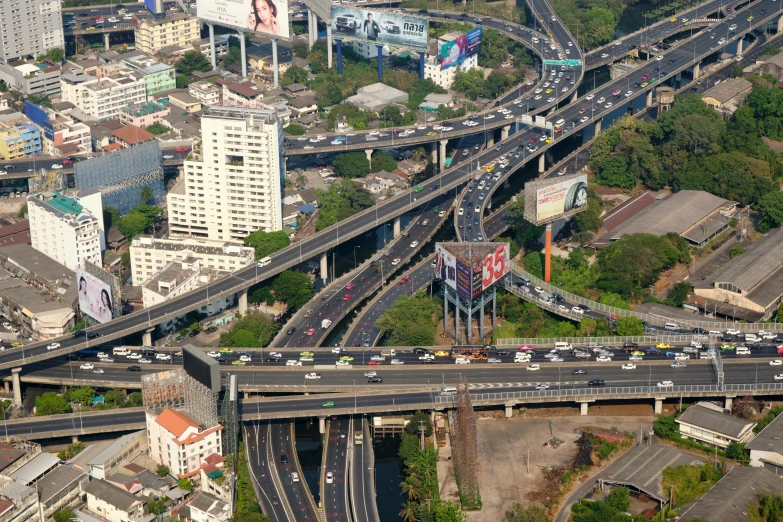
94, 297
458, 50
268, 17
561, 198
380, 27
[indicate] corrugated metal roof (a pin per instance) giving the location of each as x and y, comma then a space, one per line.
758, 263
712, 420
36, 467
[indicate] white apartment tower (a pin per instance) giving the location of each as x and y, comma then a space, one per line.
69, 230
29, 28
234, 186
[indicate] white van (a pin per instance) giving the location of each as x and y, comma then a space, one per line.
715, 332
563, 347
695, 344
751, 337
294, 476
448, 390
120, 350
521, 357
461, 360
560, 122
264, 261
743, 350
671, 326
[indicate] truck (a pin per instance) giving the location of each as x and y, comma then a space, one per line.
388, 352
358, 436
326, 323
312, 376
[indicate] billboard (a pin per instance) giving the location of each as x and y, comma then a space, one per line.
491, 269
456, 51
202, 368
154, 6
469, 280
548, 200
94, 297
379, 26
268, 17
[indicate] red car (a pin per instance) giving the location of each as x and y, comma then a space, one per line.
67, 162
311, 331
373, 363
646, 77
617, 92
182, 149
780, 350
346, 297
532, 140
405, 280
349, 286
397, 131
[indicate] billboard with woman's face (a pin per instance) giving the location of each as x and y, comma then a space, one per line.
268, 17
456, 51
94, 297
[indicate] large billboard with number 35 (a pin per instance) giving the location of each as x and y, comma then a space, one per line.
470, 281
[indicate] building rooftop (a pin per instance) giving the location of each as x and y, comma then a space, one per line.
132, 135
58, 480
115, 448
39, 465
728, 500
150, 480
169, 18
677, 213
707, 418
728, 89
200, 246
144, 109
770, 438
9, 455
112, 495
82, 459
175, 422
208, 503
64, 204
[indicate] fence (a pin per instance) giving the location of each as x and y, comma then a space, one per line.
584, 341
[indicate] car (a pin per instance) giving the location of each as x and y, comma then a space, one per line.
732, 27
136, 356
348, 358
578, 372
617, 92
53, 346
414, 244
534, 367
133, 368
350, 286
636, 358
106, 359
596, 382
379, 358
395, 261
542, 386
732, 331
212, 354
665, 384
57, 166
226, 351
608, 105
671, 354
678, 364
776, 362
603, 358
727, 346
180, 150
346, 297
659, 57
652, 351
310, 332
629, 366
374, 379
144, 360
663, 346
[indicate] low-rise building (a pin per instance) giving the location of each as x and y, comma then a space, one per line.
149, 255
727, 95
31, 79
121, 451
766, 448
153, 34
207, 93
242, 94
144, 114
35, 469
206, 507
303, 105
62, 487
158, 77
177, 441
377, 96
112, 503
183, 100
103, 98
39, 314
19, 136
130, 135
43, 273
221, 45
367, 49
445, 77
708, 423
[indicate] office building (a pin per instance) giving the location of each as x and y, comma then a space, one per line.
149, 255
19, 137
234, 185
177, 441
29, 28
104, 98
67, 229
153, 34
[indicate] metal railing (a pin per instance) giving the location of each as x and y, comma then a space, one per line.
607, 340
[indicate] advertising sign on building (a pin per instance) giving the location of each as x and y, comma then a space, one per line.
469, 280
154, 6
458, 50
94, 297
379, 27
269, 17
546, 201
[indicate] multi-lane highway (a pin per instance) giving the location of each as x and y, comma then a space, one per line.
289, 472
334, 475
263, 470
362, 475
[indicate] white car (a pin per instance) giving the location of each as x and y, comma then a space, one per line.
629, 366
461, 211
306, 358
162, 357
635, 358
779, 377
583, 119
338, 363
133, 356
534, 367
542, 386
538, 289
337, 349
145, 361
87, 366
776, 362
379, 358
425, 357
600, 100
538, 91
629, 94
604, 55
494, 360
732, 27
665, 384
603, 358
329, 477
57, 166
371, 374
6, 324
245, 358
277, 355
608, 105
395, 261
214, 355
397, 362
98, 370
682, 357
293, 362
105, 359
590, 96
732, 331
556, 359
577, 310
659, 57
53, 346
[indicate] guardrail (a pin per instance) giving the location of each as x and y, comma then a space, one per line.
610, 340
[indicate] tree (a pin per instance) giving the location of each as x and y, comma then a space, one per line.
529, 513
64, 515
772, 211
294, 74
293, 288
114, 397
619, 499
736, 71
410, 321
737, 451
408, 512
341, 201
157, 128
352, 164
736, 250
185, 484
135, 400
267, 243
666, 428
55, 54
413, 426
192, 61
382, 160
629, 326
133, 225
51, 404
679, 294
446, 511
156, 507
301, 180
254, 330
295, 130
145, 195
300, 49
22, 211
82, 395
182, 81
161, 470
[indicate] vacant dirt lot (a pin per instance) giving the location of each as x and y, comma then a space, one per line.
504, 444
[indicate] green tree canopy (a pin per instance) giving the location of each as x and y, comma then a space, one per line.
295, 130
413, 426
382, 160
293, 288
51, 404
629, 326
294, 74
81, 395
64, 515
267, 243
410, 321
341, 201
351, 165
618, 498
192, 61
254, 330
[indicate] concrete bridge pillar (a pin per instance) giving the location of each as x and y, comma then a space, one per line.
780, 23
17, 386
542, 163
490, 139
739, 46
106, 41
146, 339
434, 153
597, 127
7, 386
74, 439
509, 411
442, 155
243, 302
312, 30
649, 99
329, 44
658, 406
504, 132
696, 71
368, 153
324, 267
574, 96
322, 425
729, 403
583, 408
397, 227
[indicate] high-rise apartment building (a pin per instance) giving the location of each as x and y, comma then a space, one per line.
234, 185
67, 229
29, 28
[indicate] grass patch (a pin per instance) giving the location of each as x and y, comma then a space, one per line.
507, 329
689, 482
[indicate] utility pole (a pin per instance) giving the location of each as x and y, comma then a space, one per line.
421, 433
